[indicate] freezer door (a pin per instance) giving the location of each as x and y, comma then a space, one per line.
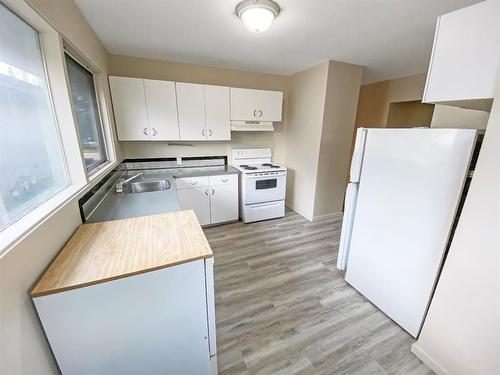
357, 156
347, 221
410, 187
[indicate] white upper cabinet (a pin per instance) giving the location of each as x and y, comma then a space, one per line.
161, 106
217, 113
203, 112
129, 105
191, 109
465, 55
256, 105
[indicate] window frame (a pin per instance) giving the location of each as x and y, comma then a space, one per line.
52, 45
52, 110
88, 68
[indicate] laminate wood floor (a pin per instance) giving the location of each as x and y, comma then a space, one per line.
282, 307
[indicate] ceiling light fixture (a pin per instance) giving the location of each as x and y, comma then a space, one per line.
257, 15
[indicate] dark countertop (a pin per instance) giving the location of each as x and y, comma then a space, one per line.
120, 206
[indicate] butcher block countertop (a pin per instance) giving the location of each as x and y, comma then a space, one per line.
109, 250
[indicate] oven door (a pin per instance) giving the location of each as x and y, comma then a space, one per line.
260, 189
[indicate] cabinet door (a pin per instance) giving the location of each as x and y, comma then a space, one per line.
465, 54
129, 106
161, 106
191, 109
217, 113
224, 203
151, 323
197, 200
256, 105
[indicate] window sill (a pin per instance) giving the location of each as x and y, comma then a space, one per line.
101, 171
18, 230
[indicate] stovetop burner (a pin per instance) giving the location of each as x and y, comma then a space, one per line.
259, 167
270, 165
247, 167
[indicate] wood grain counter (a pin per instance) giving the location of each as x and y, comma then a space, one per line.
110, 250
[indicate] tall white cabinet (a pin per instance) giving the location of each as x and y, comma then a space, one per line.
465, 56
203, 112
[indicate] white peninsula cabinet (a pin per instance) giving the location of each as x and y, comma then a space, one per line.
144, 109
256, 105
203, 112
214, 199
464, 57
132, 296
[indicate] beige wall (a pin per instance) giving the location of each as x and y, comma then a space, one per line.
375, 98
166, 70
317, 137
461, 333
409, 114
302, 136
446, 116
338, 125
24, 349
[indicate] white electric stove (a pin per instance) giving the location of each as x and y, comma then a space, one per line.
262, 184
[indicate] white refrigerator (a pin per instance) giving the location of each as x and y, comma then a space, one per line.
404, 190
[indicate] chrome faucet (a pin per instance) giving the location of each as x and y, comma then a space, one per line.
120, 184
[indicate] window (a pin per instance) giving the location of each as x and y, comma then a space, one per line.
87, 114
32, 166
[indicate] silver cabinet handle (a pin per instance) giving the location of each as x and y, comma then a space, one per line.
145, 131
155, 132
254, 113
194, 183
224, 180
206, 192
213, 191
203, 132
260, 113
209, 132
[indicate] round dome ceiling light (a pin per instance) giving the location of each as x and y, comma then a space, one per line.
257, 15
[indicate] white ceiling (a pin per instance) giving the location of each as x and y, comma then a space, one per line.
391, 38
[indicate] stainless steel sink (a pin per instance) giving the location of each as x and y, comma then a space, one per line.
146, 185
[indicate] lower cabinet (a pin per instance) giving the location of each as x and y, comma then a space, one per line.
196, 199
224, 203
214, 199
157, 322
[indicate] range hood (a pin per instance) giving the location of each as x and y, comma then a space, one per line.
252, 126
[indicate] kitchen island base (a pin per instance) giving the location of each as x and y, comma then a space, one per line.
162, 321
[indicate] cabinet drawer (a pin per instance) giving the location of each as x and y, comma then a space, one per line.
191, 182
227, 179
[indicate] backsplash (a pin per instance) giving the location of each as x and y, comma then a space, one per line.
185, 162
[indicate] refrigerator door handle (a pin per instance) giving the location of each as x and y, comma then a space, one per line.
357, 156
347, 225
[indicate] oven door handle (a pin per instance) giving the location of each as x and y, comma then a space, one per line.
266, 177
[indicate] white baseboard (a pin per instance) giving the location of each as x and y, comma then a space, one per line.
427, 359
333, 215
